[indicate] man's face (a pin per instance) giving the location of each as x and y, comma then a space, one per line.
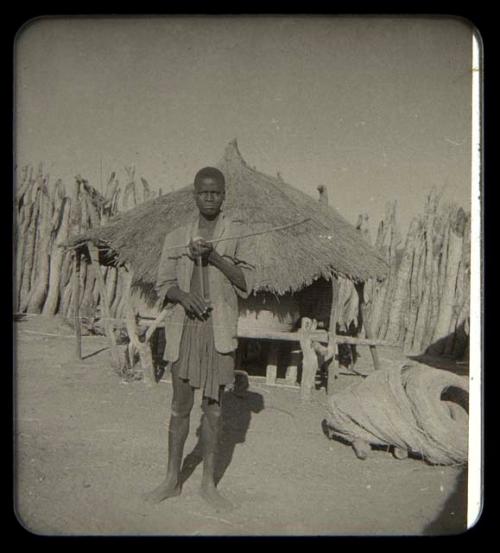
209, 195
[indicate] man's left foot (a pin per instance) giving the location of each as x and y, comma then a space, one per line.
215, 499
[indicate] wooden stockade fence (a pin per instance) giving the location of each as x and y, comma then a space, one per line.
47, 214
422, 305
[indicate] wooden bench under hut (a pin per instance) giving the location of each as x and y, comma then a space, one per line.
313, 251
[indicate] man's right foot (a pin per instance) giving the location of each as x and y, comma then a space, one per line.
210, 494
165, 490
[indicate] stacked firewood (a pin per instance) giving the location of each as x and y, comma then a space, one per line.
47, 214
424, 302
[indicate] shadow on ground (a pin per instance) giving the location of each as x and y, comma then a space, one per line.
453, 516
237, 409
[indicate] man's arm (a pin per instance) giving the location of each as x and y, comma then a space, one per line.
232, 272
167, 286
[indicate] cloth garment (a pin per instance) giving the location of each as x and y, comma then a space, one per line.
200, 363
176, 269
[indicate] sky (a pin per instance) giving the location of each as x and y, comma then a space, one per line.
376, 109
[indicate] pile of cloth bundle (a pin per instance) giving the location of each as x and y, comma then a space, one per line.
404, 407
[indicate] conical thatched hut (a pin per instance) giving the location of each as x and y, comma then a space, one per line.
323, 245
285, 261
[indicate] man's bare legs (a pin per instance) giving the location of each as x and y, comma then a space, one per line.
182, 403
210, 430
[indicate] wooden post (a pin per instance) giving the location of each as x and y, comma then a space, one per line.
76, 304
143, 348
333, 366
272, 362
291, 371
106, 316
360, 287
309, 359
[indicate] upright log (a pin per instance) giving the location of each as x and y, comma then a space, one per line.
383, 244
41, 270
447, 304
56, 262
400, 296
363, 306
309, 358
106, 316
28, 208
414, 293
393, 244
272, 363
333, 365
111, 286
143, 348
76, 304
428, 310
29, 255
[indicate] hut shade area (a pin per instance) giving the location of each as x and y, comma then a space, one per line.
285, 260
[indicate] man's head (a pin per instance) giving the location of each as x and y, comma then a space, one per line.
209, 191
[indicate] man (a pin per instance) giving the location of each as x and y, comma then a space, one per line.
201, 330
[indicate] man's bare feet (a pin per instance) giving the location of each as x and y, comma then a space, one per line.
165, 490
210, 494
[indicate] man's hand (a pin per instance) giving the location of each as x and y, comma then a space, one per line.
195, 306
198, 247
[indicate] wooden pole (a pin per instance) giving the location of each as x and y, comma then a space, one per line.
367, 324
143, 348
291, 371
76, 304
272, 363
199, 270
106, 317
309, 358
333, 365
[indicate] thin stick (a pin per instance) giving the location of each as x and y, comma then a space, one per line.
241, 236
199, 269
216, 241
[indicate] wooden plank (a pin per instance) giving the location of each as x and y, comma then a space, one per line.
76, 304
316, 335
272, 363
106, 318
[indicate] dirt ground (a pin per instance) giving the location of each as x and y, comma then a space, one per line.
89, 444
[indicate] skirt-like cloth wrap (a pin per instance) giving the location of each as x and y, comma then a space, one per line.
199, 362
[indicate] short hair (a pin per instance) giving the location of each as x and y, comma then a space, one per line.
212, 173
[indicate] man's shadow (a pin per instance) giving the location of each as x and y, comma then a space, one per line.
238, 405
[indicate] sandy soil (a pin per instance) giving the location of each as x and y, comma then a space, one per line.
89, 444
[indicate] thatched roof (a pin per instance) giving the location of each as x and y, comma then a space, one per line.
285, 261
